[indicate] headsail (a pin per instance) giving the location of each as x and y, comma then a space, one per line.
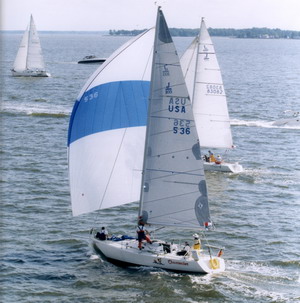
174, 187
20, 63
205, 85
107, 129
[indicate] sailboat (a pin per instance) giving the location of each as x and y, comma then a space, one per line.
173, 188
291, 119
29, 61
205, 85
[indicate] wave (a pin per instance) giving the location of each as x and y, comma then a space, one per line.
40, 100
255, 280
35, 111
262, 123
55, 115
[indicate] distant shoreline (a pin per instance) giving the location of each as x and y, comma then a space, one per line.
250, 33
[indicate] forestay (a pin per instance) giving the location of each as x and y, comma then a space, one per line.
174, 189
205, 85
107, 129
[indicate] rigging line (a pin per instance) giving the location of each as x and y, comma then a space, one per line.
148, 61
112, 170
207, 243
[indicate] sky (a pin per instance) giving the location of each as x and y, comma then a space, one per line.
103, 15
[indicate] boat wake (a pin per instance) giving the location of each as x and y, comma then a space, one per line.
249, 281
264, 124
94, 257
39, 111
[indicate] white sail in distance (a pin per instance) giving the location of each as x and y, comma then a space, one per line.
205, 85
29, 60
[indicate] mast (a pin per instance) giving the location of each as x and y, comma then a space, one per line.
197, 58
149, 111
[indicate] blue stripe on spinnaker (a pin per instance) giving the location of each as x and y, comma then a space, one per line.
109, 106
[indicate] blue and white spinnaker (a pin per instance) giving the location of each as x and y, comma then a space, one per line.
107, 129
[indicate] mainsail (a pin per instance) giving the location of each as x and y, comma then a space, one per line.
205, 85
173, 186
29, 56
107, 129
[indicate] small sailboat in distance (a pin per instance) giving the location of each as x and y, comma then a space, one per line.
29, 61
173, 189
205, 85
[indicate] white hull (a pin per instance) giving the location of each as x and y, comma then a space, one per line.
291, 122
223, 167
126, 252
30, 73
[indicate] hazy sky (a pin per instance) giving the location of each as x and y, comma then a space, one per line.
97, 15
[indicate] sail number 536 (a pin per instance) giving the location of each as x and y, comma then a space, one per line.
181, 127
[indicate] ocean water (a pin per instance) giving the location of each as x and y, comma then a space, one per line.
45, 254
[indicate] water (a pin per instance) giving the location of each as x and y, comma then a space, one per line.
45, 256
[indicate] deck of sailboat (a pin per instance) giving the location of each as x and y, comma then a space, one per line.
126, 253
223, 167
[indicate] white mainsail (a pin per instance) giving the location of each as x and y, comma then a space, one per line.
29, 60
205, 85
35, 58
173, 186
107, 129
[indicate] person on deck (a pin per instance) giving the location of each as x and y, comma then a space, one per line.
185, 250
142, 234
197, 242
211, 157
102, 235
218, 160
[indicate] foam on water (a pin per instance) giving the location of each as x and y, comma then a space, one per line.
261, 123
94, 257
30, 109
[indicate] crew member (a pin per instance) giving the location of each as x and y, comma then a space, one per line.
102, 235
211, 157
142, 234
218, 160
197, 242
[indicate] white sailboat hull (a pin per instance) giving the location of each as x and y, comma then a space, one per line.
126, 252
30, 73
223, 167
291, 122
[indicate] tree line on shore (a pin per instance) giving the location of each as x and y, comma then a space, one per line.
262, 33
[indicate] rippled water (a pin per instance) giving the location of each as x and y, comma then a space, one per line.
45, 255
